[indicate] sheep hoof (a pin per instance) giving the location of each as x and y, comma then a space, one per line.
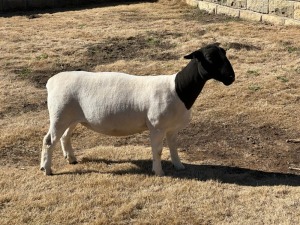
73, 162
159, 174
179, 167
46, 172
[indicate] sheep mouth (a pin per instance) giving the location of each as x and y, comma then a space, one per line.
228, 82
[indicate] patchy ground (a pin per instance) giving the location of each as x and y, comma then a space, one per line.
237, 136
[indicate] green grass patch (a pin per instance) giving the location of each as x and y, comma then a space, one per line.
254, 87
152, 41
24, 72
283, 79
290, 47
253, 73
42, 56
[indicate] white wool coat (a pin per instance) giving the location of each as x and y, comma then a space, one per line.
116, 103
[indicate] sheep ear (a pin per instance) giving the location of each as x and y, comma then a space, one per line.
223, 50
196, 54
190, 56
216, 44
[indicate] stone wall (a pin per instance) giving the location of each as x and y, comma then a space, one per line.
280, 12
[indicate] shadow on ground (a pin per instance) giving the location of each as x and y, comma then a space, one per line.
223, 174
31, 11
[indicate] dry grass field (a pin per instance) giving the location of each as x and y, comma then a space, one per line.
239, 167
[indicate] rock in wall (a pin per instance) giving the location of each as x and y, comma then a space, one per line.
281, 12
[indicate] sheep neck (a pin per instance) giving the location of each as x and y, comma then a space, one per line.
189, 82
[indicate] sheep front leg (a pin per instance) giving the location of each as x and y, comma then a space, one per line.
172, 143
156, 138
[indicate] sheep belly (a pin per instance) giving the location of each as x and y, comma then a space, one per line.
120, 124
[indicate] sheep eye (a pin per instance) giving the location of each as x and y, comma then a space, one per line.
216, 60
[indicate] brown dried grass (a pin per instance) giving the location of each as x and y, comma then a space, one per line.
235, 149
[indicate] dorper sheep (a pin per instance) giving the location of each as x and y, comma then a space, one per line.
117, 104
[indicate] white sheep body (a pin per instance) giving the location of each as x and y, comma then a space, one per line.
119, 104
116, 104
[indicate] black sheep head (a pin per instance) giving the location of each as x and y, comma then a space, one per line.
213, 63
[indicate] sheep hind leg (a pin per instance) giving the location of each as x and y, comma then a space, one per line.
49, 143
66, 145
172, 143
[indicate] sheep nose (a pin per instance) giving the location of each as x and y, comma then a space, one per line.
231, 76
229, 80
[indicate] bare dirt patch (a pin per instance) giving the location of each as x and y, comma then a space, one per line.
130, 48
150, 46
240, 46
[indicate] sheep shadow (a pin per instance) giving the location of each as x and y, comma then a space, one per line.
223, 174
34, 11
